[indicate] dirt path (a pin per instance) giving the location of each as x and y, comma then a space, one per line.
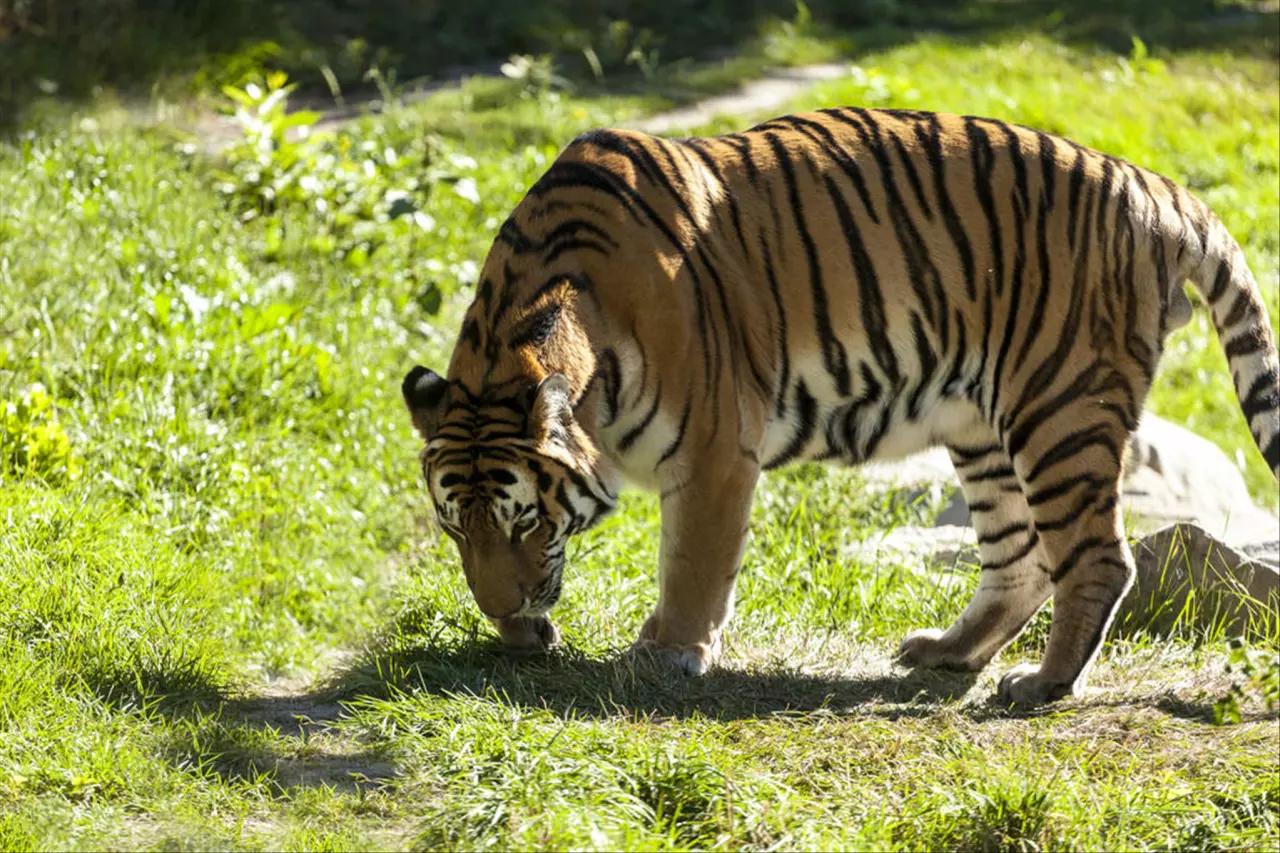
770, 91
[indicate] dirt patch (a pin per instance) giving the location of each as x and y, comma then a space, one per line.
768, 92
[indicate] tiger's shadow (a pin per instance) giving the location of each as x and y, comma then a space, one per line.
572, 685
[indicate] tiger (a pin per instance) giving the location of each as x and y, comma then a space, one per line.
848, 284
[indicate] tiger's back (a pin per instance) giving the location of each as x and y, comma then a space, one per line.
849, 284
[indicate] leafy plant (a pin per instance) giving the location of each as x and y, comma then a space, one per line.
1259, 671
357, 189
32, 441
267, 164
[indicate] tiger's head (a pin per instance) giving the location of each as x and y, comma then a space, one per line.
510, 482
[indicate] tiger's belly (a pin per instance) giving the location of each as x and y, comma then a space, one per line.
814, 422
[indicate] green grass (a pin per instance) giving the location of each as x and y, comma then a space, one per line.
225, 621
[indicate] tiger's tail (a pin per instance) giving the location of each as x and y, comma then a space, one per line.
1240, 316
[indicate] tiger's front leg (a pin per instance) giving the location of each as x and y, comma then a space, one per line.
704, 533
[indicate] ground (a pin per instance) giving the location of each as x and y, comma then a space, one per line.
226, 620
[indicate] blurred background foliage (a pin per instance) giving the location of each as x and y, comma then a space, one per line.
76, 47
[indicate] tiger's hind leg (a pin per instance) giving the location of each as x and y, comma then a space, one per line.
1015, 581
1071, 476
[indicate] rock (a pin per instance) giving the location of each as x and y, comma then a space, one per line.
1236, 588
1225, 585
947, 547
1267, 553
1172, 475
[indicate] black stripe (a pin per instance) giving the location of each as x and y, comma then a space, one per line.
624, 444
784, 346
921, 271
820, 133
995, 537
1220, 280
679, 439
1013, 317
1013, 144
544, 479
1082, 547
1048, 370
833, 354
1263, 396
1246, 344
713, 166
1000, 472
1035, 326
1241, 308
932, 144
806, 411
968, 456
573, 245
536, 328
563, 174
870, 296
1030, 545
869, 397
608, 369
742, 145
1072, 446
470, 334
1027, 420
913, 177
1073, 194
1078, 510
1036, 498
982, 159
928, 364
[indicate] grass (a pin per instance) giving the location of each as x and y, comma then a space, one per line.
225, 621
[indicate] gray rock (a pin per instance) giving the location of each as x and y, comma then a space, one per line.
1267, 552
1184, 574
1172, 475
947, 547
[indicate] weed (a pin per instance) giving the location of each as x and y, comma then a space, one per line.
1259, 675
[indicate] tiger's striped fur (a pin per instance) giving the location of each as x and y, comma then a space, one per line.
845, 284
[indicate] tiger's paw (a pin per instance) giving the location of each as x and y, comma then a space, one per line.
527, 633
656, 644
1024, 687
924, 648
690, 660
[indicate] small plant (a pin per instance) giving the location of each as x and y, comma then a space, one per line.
536, 74
1259, 672
32, 441
613, 48
357, 189
276, 148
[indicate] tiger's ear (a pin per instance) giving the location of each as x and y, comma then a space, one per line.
551, 409
424, 394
